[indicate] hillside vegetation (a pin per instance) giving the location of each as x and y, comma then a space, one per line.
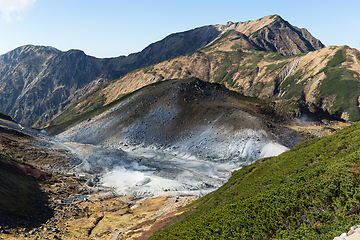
309, 192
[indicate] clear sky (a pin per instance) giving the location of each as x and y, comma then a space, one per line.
110, 28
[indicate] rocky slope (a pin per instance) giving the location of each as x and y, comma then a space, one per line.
189, 116
272, 33
306, 80
39, 83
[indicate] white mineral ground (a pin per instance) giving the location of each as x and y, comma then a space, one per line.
150, 172
144, 160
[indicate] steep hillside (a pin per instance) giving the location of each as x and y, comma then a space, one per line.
309, 192
189, 116
37, 81
22, 202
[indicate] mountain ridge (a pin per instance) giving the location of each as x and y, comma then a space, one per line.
58, 79
67, 76
299, 80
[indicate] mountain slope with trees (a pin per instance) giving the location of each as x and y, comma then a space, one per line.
309, 192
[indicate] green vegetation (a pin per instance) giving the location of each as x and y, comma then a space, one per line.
98, 102
5, 156
161, 77
257, 57
274, 16
338, 58
274, 66
292, 88
232, 62
258, 86
229, 65
340, 82
148, 68
186, 74
235, 46
309, 192
275, 56
255, 34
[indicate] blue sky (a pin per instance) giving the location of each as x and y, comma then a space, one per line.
110, 28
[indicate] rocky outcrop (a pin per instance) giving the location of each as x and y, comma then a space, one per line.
280, 36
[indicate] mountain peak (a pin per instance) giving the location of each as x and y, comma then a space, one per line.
250, 26
273, 33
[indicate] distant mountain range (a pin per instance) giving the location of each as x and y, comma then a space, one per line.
39, 83
323, 81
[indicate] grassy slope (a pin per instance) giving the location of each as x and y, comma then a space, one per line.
340, 82
309, 192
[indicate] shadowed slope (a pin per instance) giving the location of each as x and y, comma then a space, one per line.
22, 202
